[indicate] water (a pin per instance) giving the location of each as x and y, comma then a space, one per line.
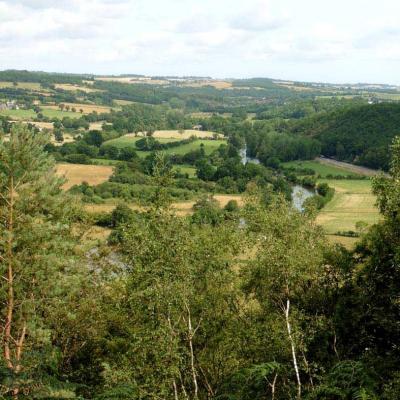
299, 195
246, 159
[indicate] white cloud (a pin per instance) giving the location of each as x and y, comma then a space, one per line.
213, 37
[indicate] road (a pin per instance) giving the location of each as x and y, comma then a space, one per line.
350, 167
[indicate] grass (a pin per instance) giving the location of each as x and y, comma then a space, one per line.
103, 161
52, 113
185, 169
30, 114
79, 173
320, 169
22, 85
209, 146
19, 114
353, 201
130, 140
86, 108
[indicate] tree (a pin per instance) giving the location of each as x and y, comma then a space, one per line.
36, 257
289, 255
58, 135
180, 288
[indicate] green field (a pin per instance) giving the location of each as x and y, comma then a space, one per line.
102, 161
22, 85
51, 113
320, 169
30, 114
185, 169
129, 141
353, 201
19, 114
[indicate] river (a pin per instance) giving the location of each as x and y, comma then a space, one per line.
299, 193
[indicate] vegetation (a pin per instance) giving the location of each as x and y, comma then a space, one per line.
362, 134
240, 299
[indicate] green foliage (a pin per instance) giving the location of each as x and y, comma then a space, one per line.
361, 134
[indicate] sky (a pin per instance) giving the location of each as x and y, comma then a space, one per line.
339, 41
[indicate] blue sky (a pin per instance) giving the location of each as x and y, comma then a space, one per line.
309, 40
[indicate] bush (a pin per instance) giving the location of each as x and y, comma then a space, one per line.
78, 159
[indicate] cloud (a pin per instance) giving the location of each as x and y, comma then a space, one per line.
258, 17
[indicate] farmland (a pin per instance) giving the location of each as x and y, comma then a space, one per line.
182, 208
210, 145
75, 88
47, 111
353, 202
320, 169
21, 85
86, 108
75, 174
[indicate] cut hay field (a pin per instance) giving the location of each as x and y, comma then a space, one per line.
123, 102
320, 169
87, 108
42, 125
182, 208
132, 80
75, 88
79, 173
213, 83
353, 201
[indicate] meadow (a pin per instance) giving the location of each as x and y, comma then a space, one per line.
353, 202
47, 112
168, 137
185, 169
86, 108
21, 85
320, 169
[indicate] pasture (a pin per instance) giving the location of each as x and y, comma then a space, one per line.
29, 115
320, 169
185, 169
353, 201
130, 140
86, 108
75, 88
21, 85
175, 134
75, 174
